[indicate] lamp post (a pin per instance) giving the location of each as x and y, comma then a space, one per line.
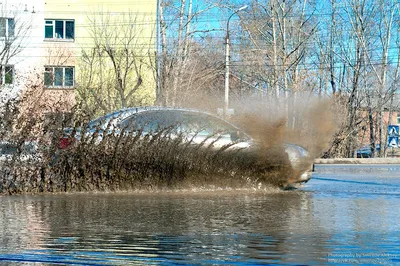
227, 56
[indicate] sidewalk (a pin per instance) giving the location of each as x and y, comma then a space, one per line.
389, 167
358, 161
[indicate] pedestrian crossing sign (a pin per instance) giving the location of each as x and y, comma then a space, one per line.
393, 130
393, 142
393, 136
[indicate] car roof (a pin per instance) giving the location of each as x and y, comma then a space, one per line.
126, 112
135, 110
161, 108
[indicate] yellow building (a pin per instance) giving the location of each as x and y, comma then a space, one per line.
99, 52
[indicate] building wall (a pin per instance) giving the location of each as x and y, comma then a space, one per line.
87, 13
28, 36
38, 52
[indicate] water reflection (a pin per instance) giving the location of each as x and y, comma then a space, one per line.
22, 223
197, 227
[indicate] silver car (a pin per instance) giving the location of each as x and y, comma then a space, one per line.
195, 126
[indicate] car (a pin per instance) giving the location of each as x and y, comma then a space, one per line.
20, 165
24, 151
366, 152
194, 126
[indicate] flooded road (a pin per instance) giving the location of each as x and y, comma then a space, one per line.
336, 218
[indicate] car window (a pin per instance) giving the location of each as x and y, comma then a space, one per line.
186, 122
201, 124
151, 121
207, 126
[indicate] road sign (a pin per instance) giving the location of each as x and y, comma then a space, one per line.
393, 136
393, 130
393, 142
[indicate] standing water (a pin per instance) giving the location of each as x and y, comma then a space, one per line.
333, 219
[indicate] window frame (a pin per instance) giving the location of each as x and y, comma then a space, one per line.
3, 75
8, 27
53, 71
53, 24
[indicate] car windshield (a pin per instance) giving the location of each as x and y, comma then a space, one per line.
187, 122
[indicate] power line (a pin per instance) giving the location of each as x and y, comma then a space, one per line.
235, 64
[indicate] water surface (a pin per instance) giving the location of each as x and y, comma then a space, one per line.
335, 218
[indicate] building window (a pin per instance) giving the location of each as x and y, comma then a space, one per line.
7, 75
7, 27
59, 29
59, 77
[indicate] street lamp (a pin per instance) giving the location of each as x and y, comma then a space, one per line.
227, 44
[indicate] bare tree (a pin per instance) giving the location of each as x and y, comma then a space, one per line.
387, 11
373, 25
178, 47
117, 69
282, 49
280, 31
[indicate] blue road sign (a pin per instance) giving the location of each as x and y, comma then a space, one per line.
393, 142
393, 136
393, 130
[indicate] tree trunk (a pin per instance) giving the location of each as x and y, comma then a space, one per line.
163, 97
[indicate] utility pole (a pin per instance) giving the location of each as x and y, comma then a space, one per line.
227, 57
